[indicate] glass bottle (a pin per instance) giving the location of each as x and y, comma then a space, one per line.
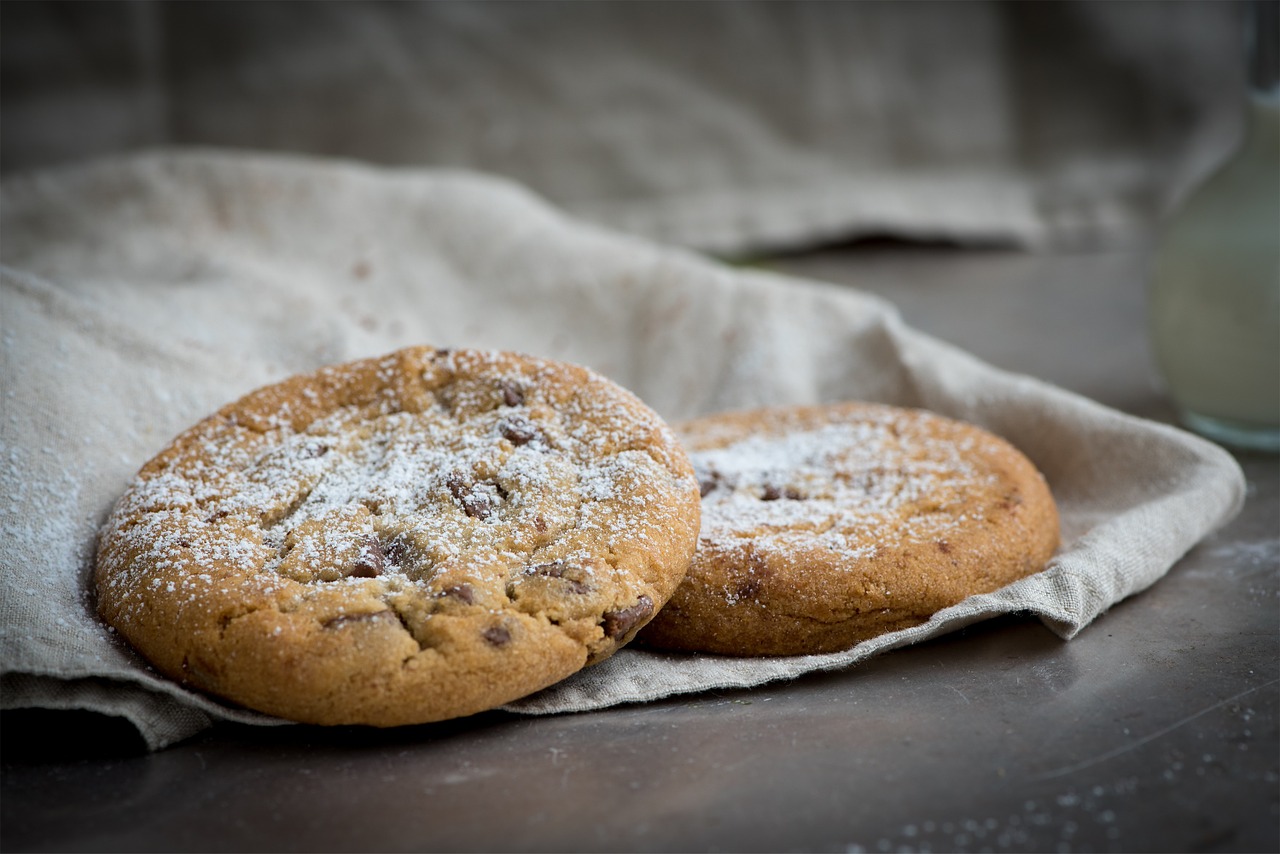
1214, 298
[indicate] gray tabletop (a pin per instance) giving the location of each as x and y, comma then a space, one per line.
1156, 729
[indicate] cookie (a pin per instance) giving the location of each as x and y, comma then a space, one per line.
824, 526
402, 539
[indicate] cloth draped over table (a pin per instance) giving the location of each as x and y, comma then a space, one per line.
140, 293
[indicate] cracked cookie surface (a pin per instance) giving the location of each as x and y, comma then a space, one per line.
824, 526
400, 540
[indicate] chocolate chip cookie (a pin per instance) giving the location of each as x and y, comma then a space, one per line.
402, 539
824, 526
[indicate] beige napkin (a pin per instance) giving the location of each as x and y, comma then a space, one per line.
140, 294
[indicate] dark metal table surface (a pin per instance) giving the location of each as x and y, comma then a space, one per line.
1156, 729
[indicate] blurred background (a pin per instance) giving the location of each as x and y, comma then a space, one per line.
734, 128
1063, 133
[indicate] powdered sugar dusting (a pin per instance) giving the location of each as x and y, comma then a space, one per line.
491, 471
843, 487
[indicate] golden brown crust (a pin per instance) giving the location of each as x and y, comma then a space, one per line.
403, 539
827, 525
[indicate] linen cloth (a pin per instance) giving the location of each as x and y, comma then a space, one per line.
141, 293
734, 128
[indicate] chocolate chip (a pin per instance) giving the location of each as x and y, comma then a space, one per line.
474, 504
708, 483
944, 547
462, 592
540, 524
311, 450
370, 561
396, 550
771, 493
458, 485
512, 394
517, 431
557, 569
617, 624
792, 493
497, 635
